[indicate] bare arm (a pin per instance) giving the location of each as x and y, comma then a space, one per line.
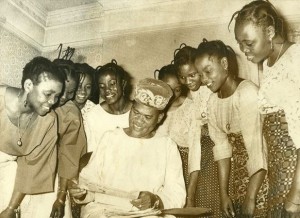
292, 203
191, 190
58, 208
223, 174
15, 201
254, 185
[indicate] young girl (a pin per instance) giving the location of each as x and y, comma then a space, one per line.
235, 127
113, 111
180, 125
260, 34
28, 135
208, 187
85, 96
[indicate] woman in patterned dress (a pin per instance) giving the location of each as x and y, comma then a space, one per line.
260, 34
207, 192
180, 126
235, 127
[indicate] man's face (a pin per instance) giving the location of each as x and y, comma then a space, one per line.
143, 120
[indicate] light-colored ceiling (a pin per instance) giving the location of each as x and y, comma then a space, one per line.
52, 5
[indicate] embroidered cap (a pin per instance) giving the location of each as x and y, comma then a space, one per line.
153, 92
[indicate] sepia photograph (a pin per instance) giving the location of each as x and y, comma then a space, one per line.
149, 108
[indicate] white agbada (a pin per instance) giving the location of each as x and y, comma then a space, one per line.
134, 164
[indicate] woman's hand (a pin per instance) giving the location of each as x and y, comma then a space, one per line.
58, 209
248, 207
189, 202
8, 213
145, 200
227, 206
292, 202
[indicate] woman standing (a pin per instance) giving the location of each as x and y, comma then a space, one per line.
235, 127
207, 187
28, 163
260, 34
113, 111
181, 126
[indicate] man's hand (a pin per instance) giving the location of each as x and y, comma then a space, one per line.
58, 209
75, 191
145, 200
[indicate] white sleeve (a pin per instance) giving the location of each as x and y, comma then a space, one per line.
251, 128
173, 192
222, 148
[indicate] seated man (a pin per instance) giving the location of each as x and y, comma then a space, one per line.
143, 168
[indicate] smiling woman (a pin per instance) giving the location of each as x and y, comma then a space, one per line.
26, 112
262, 37
114, 88
235, 127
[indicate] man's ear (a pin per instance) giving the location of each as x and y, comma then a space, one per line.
270, 32
224, 63
28, 85
160, 117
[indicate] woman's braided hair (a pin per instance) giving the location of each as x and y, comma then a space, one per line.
218, 49
262, 14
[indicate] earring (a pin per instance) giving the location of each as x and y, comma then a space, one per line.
25, 101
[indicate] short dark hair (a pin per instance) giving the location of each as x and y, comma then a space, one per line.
118, 71
260, 13
183, 56
218, 49
168, 70
38, 65
84, 69
66, 67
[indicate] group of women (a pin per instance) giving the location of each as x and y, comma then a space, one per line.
225, 127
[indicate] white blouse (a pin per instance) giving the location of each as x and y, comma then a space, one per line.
280, 90
200, 99
240, 111
181, 126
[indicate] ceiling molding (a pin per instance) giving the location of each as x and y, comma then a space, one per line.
89, 24
162, 27
23, 36
125, 4
33, 10
74, 14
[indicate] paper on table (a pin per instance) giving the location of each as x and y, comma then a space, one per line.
85, 184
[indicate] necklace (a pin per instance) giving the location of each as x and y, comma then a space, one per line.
228, 127
277, 55
19, 142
